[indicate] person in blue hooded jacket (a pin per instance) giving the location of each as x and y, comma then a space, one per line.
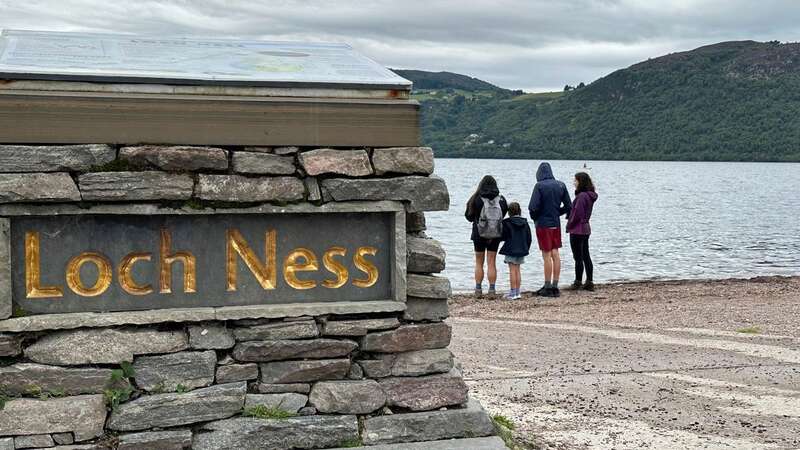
549, 201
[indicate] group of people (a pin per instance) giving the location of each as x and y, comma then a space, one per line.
487, 210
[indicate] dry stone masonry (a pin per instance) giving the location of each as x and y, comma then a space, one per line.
206, 379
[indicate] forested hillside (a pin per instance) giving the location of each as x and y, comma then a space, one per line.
733, 101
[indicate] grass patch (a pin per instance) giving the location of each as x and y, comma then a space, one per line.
181, 389
504, 421
749, 330
351, 443
121, 390
267, 412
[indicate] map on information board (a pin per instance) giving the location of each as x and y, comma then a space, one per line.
127, 58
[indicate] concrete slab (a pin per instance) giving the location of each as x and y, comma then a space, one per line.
487, 443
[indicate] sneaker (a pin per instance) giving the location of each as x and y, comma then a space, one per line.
478, 293
542, 292
555, 292
516, 296
589, 286
491, 292
576, 285
510, 296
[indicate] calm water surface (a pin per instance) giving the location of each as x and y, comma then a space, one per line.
653, 220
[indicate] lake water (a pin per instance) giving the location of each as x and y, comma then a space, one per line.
653, 220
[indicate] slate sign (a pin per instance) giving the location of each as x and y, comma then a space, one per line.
79, 263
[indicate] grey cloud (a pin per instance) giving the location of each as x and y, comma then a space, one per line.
533, 44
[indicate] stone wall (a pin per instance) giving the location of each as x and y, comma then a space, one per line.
318, 380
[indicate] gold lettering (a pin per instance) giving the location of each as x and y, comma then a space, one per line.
265, 273
167, 259
126, 280
365, 266
103, 265
291, 267
335, 267
33, 275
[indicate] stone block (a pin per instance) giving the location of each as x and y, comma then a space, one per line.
156, 440
422, 362
415, 222
307, 432
421, 193
18, 379
54, 158
259, 149
7, 443
173, 409
278, 388
426, 309
10, 344
301, 329
304, 371
322, 161
34, 441
175, 158
307, 411
135, 186
358, 327
236, 372
290, 150
347, 397
471, 421
63, 438
380, 367
83, 415
263, 163
290, 401
355, 373
426, 286
165, 373
408, 338
482, 443
403, 160
210, 336
312, 186
103, 345
237, 188
425, 393
424, 255
38, 188
277, 350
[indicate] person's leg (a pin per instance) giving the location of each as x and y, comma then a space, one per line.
577, 255
556, 257
517, 277
548, 267
491, 269
510, 281
587, 261
479, 257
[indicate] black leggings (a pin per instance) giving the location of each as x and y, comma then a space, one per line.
580, 252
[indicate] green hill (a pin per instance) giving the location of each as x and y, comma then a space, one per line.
733, 101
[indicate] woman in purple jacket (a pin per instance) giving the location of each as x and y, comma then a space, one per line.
579, 230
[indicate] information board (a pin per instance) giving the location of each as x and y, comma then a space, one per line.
125, 58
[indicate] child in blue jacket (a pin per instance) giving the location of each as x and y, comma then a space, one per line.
517, 244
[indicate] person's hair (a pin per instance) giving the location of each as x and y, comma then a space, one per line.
514, 209
487, 182
584, 183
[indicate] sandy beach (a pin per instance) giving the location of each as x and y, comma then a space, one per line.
656, 365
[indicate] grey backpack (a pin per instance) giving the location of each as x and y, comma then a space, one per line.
490, 223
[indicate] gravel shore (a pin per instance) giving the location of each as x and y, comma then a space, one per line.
771, 304
652, 365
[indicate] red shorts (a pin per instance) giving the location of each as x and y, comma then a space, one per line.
548, 238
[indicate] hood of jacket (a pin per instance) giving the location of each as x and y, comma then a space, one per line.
544, 172
592, 195
517, 221
489, 192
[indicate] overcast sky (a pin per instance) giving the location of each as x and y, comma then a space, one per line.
534, 45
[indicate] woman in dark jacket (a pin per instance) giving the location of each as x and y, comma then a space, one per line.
485, 247
579, 230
